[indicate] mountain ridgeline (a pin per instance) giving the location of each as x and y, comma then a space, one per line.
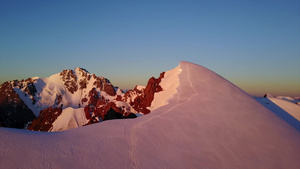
69, 99
198, 119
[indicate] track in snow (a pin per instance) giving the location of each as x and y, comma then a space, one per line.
133, 138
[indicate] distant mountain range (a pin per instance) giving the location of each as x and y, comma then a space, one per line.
70, 99
195, 119
74, 98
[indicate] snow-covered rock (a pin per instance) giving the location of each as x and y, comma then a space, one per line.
169, 84
68, 91
207, 123
14, 111
268, 95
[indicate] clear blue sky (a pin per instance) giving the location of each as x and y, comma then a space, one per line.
254, 44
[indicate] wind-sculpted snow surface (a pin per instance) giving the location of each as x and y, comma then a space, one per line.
207, 123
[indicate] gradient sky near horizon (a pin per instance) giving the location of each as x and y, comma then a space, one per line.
254, 44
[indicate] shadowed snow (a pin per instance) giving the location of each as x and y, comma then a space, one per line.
287, 110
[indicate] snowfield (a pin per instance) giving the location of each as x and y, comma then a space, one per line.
291, 108
285, 107
207, 122
74, 117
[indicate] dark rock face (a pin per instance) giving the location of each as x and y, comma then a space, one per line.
268, 95
45, 120
58, 100
103, 109
112, 114
70, 80
83, 84
104, 85
94, 97
14, 112
145, 97
129, 116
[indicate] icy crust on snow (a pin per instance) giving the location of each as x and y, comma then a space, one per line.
169, 84
208, 123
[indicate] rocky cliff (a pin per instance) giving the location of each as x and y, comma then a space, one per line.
39, 102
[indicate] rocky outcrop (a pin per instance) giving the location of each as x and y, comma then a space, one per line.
48, 97
100, 109
14, 112
74, 83
103, 109
145, 97
267, 95
58, 100
45, 120
70, 80
94, 97
104, 84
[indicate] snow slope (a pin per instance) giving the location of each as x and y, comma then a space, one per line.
291, 108
285, 107
70, 118
169, 84
207, 123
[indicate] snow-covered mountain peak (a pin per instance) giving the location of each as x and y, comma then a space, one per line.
94, 98
81, 69
208, 122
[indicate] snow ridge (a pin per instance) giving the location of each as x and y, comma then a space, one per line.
208, 123
154, 115
189, 79
177, 102
69, 91
169, 84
